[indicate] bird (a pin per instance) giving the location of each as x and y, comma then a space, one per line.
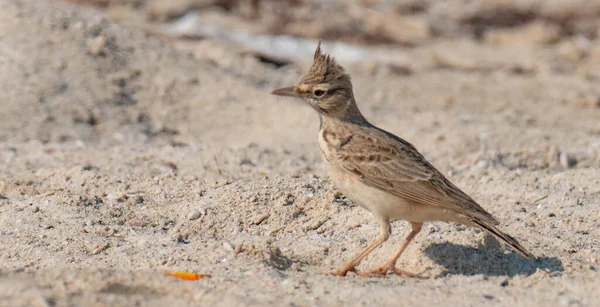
380, 171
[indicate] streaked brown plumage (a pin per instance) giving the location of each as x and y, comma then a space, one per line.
380, 171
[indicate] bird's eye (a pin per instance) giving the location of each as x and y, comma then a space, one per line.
319, 93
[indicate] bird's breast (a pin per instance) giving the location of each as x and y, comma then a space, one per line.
325, 146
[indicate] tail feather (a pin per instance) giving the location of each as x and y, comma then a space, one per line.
512, 242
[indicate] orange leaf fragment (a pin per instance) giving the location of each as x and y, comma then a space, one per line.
187, 275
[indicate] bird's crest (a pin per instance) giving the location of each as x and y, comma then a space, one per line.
324, 68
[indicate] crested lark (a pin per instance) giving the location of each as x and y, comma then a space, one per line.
379, 171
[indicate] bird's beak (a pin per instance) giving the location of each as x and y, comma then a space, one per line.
286, 91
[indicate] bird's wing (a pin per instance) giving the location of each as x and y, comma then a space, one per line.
385, 161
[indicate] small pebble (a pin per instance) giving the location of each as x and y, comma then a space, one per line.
482, 164
553, 156
239, 248
194, 215
260, 219
96, 45
566, 161
228, 246
99, 249
316, 224
433, 229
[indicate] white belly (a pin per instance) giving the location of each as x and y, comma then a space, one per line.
384, 204
378, 202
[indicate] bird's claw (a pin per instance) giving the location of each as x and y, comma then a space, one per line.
384, 270
344, 272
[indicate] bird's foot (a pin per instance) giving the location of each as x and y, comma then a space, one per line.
390, 268
344, 271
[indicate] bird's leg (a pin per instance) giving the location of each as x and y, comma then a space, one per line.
390, 266
351, 266
385, 232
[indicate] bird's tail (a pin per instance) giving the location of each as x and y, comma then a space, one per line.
514, 244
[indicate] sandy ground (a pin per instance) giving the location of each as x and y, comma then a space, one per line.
124, 155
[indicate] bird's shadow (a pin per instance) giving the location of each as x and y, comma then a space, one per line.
465, 260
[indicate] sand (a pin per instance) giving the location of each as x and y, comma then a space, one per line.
125, 154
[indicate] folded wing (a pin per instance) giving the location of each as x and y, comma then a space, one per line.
391, 164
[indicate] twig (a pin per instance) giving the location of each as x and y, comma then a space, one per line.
544, 197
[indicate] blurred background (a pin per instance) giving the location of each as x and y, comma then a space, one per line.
401, 22
200, 71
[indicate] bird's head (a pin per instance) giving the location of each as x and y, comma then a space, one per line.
326, 87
